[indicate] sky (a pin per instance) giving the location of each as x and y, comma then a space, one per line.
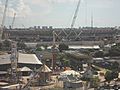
59, 13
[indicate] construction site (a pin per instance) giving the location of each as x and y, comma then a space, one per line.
49, 66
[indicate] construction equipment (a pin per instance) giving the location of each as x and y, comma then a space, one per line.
3, 19
71, 31
14, 54
73, 21
75, 15
13, 20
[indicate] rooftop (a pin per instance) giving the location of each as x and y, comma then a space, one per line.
22, 58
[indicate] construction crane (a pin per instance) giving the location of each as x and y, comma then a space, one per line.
13, 20
74, 19
75, 15
14, 53
68, 34
3, 19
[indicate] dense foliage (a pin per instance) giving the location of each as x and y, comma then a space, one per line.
62, 47
115, 50
110, 75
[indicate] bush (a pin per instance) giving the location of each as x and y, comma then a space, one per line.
62, 47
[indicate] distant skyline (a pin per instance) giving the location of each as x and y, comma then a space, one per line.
59, 13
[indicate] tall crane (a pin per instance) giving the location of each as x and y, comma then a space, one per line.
14, 53
74, 19
75, 15
3, 19
13, 20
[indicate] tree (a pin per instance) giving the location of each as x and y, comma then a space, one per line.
62, 47
39, 49
115, 65
1, 45
21, 45
66, 62
7, 44
115, 50
110, 75
95, 82
99, 54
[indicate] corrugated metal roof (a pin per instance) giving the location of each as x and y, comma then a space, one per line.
28, 58
22, 58
5, 59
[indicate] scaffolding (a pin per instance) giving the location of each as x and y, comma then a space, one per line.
14, 61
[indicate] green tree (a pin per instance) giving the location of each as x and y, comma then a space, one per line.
110, 75
7, 45
21, 45
66, 62
115, 50
115, 65
62, 47
99, 54
1, 45
39, 49
95, 82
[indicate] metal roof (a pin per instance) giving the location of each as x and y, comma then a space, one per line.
22, 58
44, 68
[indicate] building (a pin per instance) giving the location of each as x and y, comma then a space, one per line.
45, 34
24, 60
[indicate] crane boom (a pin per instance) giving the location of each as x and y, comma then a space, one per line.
75, 15
13, 20
74, 19
4, 14
3, 19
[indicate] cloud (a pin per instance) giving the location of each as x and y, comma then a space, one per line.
15, 6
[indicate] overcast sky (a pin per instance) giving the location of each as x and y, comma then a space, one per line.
59, 13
